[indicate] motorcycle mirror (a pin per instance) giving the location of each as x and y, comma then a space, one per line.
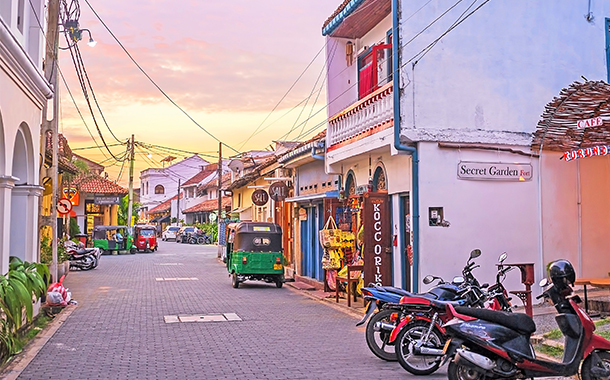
485, 285
544, 282
502, 257
458, 280
475, 253
428, 279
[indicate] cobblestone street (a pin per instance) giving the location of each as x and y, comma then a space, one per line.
119, 330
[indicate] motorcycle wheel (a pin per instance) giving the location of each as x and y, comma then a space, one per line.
88, 263
460, 372
405, 341
588, 365
200, 240
377, 340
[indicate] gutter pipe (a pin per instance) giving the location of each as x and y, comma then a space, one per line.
405, 148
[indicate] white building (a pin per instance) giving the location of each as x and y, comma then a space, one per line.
160, 184
23, 93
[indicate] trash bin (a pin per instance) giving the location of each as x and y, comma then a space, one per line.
82, 238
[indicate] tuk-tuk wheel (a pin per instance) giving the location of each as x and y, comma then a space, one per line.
279, 283
132, 251
234, 280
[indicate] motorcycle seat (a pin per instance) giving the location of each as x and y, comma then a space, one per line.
519, 322
395, 290
84, 251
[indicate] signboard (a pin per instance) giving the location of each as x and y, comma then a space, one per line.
64, 206
278, 191
107, 200
260, 197
302, 213
361, 189
494, 171
71, 194
90, 223
600, 150
212, 217
377, 239
594, 122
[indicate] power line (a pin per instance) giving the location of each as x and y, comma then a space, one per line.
153, 82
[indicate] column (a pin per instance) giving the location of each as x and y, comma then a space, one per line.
114, 215
6, 185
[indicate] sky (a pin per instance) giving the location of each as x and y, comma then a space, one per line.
226, 63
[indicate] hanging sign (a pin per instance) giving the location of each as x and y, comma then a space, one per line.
494, 171
71, 194
278, 191
600, 150
64, 206
594, 122
260, 197
377, 239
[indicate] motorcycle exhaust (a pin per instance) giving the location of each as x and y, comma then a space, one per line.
476, 359
379, 326
428, 351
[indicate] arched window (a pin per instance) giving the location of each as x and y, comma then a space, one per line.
350, 184
159, 189
379, 182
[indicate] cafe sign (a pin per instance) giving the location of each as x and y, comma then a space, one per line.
594, 122
600, 150
494, 171
260, 197
107, 200
278, 191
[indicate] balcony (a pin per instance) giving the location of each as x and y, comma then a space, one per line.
371, 114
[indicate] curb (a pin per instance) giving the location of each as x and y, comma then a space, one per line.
329, 302
20, 361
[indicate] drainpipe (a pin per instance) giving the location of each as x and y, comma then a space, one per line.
405, 148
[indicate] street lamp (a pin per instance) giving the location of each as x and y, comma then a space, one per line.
71, 26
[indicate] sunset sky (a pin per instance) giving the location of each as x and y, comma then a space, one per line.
226, 63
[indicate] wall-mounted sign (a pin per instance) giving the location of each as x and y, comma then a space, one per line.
107, 199
361, 189
260, 197
594, 122
278, 191
71, 194
494, 171
302, 214
600, 150
377, 239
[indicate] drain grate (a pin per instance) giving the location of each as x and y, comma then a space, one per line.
177, 279
226, 317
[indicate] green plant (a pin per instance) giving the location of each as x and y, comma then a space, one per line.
556, 352
74, 228
209, 229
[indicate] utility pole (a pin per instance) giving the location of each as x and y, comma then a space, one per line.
219, 193
50, 73
177, 206
131, 162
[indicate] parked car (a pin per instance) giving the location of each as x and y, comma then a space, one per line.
170, 232
184, 234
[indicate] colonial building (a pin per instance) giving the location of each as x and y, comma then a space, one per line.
23, 94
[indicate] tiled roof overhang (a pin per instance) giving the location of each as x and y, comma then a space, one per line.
349, 22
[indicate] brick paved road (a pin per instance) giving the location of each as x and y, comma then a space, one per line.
118, 330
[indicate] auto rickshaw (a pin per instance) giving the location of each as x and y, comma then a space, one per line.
145, 238
254, 252
104, 238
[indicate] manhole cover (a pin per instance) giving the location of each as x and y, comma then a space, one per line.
226, 317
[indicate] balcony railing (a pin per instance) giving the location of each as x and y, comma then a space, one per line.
369, 115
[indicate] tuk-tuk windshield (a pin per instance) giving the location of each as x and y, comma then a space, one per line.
147, 233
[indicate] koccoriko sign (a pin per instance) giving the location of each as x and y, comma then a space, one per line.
494, 171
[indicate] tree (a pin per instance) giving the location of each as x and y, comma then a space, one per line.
124, 207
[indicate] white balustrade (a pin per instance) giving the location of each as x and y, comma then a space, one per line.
366, 114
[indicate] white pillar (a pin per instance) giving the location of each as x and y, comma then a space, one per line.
6, 185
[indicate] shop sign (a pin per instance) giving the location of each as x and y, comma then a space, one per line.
90, 221
494, 171
600, 150
260, 197
594, 122
107, 200
278, 191
71, 194
361, 189
377, 242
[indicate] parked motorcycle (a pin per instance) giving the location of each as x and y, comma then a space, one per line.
82, 258
386, 300
420, 335
200, 238
495, 344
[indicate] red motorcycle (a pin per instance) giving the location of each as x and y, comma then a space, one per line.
419, 337
493, 344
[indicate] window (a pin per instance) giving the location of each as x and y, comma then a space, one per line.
373, 70
159, 189
379, 182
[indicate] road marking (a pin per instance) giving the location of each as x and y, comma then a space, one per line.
226, 317
176, 279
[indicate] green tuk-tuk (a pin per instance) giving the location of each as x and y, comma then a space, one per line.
105, 238
254, 252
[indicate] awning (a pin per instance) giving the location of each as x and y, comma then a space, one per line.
154, 220
165, 219
313, 197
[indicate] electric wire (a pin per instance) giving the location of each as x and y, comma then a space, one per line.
153, 82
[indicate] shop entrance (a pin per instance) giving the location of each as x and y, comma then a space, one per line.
311, 249
406, 246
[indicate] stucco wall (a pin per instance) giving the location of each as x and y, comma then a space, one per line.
494, 216
499, 68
